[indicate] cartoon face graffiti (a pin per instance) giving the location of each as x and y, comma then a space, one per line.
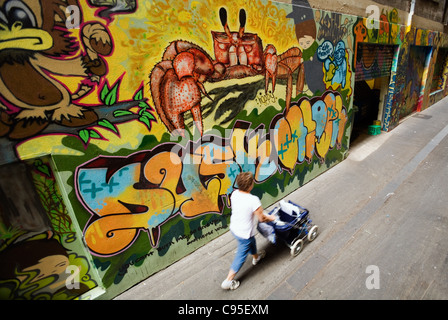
339, 53
335, 63
22, 24
36, 44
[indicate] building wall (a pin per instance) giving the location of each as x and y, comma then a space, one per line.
142, 120
41, 254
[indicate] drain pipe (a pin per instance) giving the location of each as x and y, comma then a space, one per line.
411, 13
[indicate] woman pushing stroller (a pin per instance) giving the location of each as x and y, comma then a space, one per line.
245, 208
290, 222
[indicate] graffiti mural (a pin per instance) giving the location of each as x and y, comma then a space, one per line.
374, 61
127, 195
306, 34
177, 81
131, 120
333, 26
31, 97
37, 238
37, 95
412, 70
107, 8
407, 91
335, 61
413, 90
389, 30
126, 123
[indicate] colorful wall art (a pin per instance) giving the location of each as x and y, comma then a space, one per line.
124, 125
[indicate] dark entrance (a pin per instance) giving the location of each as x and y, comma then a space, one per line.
372, 77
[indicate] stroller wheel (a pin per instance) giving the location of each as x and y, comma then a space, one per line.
296, 247
312, 234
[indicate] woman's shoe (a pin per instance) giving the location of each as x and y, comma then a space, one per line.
230, 284
261, 255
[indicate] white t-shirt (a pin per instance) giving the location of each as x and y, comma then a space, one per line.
242, 220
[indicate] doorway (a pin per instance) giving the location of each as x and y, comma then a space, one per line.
372, 79
368, 103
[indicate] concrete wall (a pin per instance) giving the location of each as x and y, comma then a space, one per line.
140, 116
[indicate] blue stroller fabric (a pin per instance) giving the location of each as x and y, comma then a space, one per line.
287, 215
267, 231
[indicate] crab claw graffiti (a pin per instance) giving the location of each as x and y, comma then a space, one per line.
177, 81
176, 84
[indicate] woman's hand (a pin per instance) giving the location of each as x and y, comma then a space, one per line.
263, 217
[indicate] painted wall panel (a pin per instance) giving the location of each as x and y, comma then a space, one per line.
150, 110
41, 252
147, 111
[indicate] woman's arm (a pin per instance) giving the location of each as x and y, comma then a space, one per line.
263, 217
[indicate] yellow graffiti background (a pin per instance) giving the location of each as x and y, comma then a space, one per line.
143, 36
140, 39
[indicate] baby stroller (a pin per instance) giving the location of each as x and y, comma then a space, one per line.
293, 226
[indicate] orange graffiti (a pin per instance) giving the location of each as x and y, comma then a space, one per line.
139, 193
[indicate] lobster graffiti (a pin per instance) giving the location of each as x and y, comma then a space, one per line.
177, 82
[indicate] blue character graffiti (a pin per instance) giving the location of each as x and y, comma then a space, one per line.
335, 63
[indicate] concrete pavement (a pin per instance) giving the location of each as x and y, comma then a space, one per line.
383, 223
